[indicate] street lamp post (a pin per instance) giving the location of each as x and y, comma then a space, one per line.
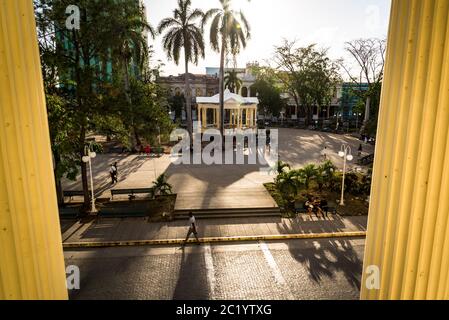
346, 154
89, 155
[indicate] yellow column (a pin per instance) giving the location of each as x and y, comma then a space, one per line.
408, 228
31, 256
204, 117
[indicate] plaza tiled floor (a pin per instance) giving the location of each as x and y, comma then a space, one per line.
116, 229
218, 186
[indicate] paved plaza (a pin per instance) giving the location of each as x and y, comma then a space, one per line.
218, 186
135, 229
292, 270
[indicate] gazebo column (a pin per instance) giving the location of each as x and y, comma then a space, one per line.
204, 117
407, 244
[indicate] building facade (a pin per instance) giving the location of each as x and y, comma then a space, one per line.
342, 106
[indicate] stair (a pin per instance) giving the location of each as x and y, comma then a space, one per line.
228, 213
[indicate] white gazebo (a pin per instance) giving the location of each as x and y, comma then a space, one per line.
240, 112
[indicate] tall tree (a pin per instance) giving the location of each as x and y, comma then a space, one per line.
232, 81
229, 33
183, 31
369, 57
131, 48
77, 78
307, 74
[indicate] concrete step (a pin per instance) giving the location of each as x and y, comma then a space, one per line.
228, 213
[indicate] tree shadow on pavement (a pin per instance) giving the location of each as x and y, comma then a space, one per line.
327, 258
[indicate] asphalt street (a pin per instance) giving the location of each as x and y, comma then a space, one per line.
296, 270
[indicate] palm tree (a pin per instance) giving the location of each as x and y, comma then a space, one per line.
232, 81
280, 167
229, 32
289, 184
182, 31
308, 173
161, 186
130, 44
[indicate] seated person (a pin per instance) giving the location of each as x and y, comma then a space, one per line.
317, 207
325, 207
310, 206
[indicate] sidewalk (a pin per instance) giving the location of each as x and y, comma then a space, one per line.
138, 229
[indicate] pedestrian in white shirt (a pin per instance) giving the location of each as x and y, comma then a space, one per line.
324, 154
192, 229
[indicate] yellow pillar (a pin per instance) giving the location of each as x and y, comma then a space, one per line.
31, 256
408, 228
204, 118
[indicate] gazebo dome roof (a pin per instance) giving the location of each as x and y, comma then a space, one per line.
229, 97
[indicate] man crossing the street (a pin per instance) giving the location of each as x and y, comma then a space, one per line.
192, 229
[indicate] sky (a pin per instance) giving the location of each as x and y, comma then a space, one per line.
328, 23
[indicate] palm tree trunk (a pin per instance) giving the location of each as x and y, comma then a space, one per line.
188, 100
134, 137
221, 86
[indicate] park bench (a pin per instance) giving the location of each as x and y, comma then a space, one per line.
366, 160
131, 192
73, 193
302, 209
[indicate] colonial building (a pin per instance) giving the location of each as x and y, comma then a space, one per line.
206, 85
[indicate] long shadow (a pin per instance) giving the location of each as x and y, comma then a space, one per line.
101, 167
226, 175
192, 280
330, 256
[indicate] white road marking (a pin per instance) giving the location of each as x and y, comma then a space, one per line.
275, 269
210, 271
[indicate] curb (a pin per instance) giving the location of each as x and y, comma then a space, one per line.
133, 243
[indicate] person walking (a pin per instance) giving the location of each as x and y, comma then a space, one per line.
114, 173
324, 153
192, 229
268, 140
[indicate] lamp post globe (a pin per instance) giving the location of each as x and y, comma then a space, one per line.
346, 154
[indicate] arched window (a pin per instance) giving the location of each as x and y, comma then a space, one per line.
252, 92
244, 92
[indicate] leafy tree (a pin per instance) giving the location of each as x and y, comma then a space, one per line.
77, 81
307, 74
369, 57
229, 32
183, 31
232, 81
177, 104
129, 45
270, 100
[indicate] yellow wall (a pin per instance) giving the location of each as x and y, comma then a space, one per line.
408, 228
31, 257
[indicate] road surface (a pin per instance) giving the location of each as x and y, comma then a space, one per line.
297, 269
